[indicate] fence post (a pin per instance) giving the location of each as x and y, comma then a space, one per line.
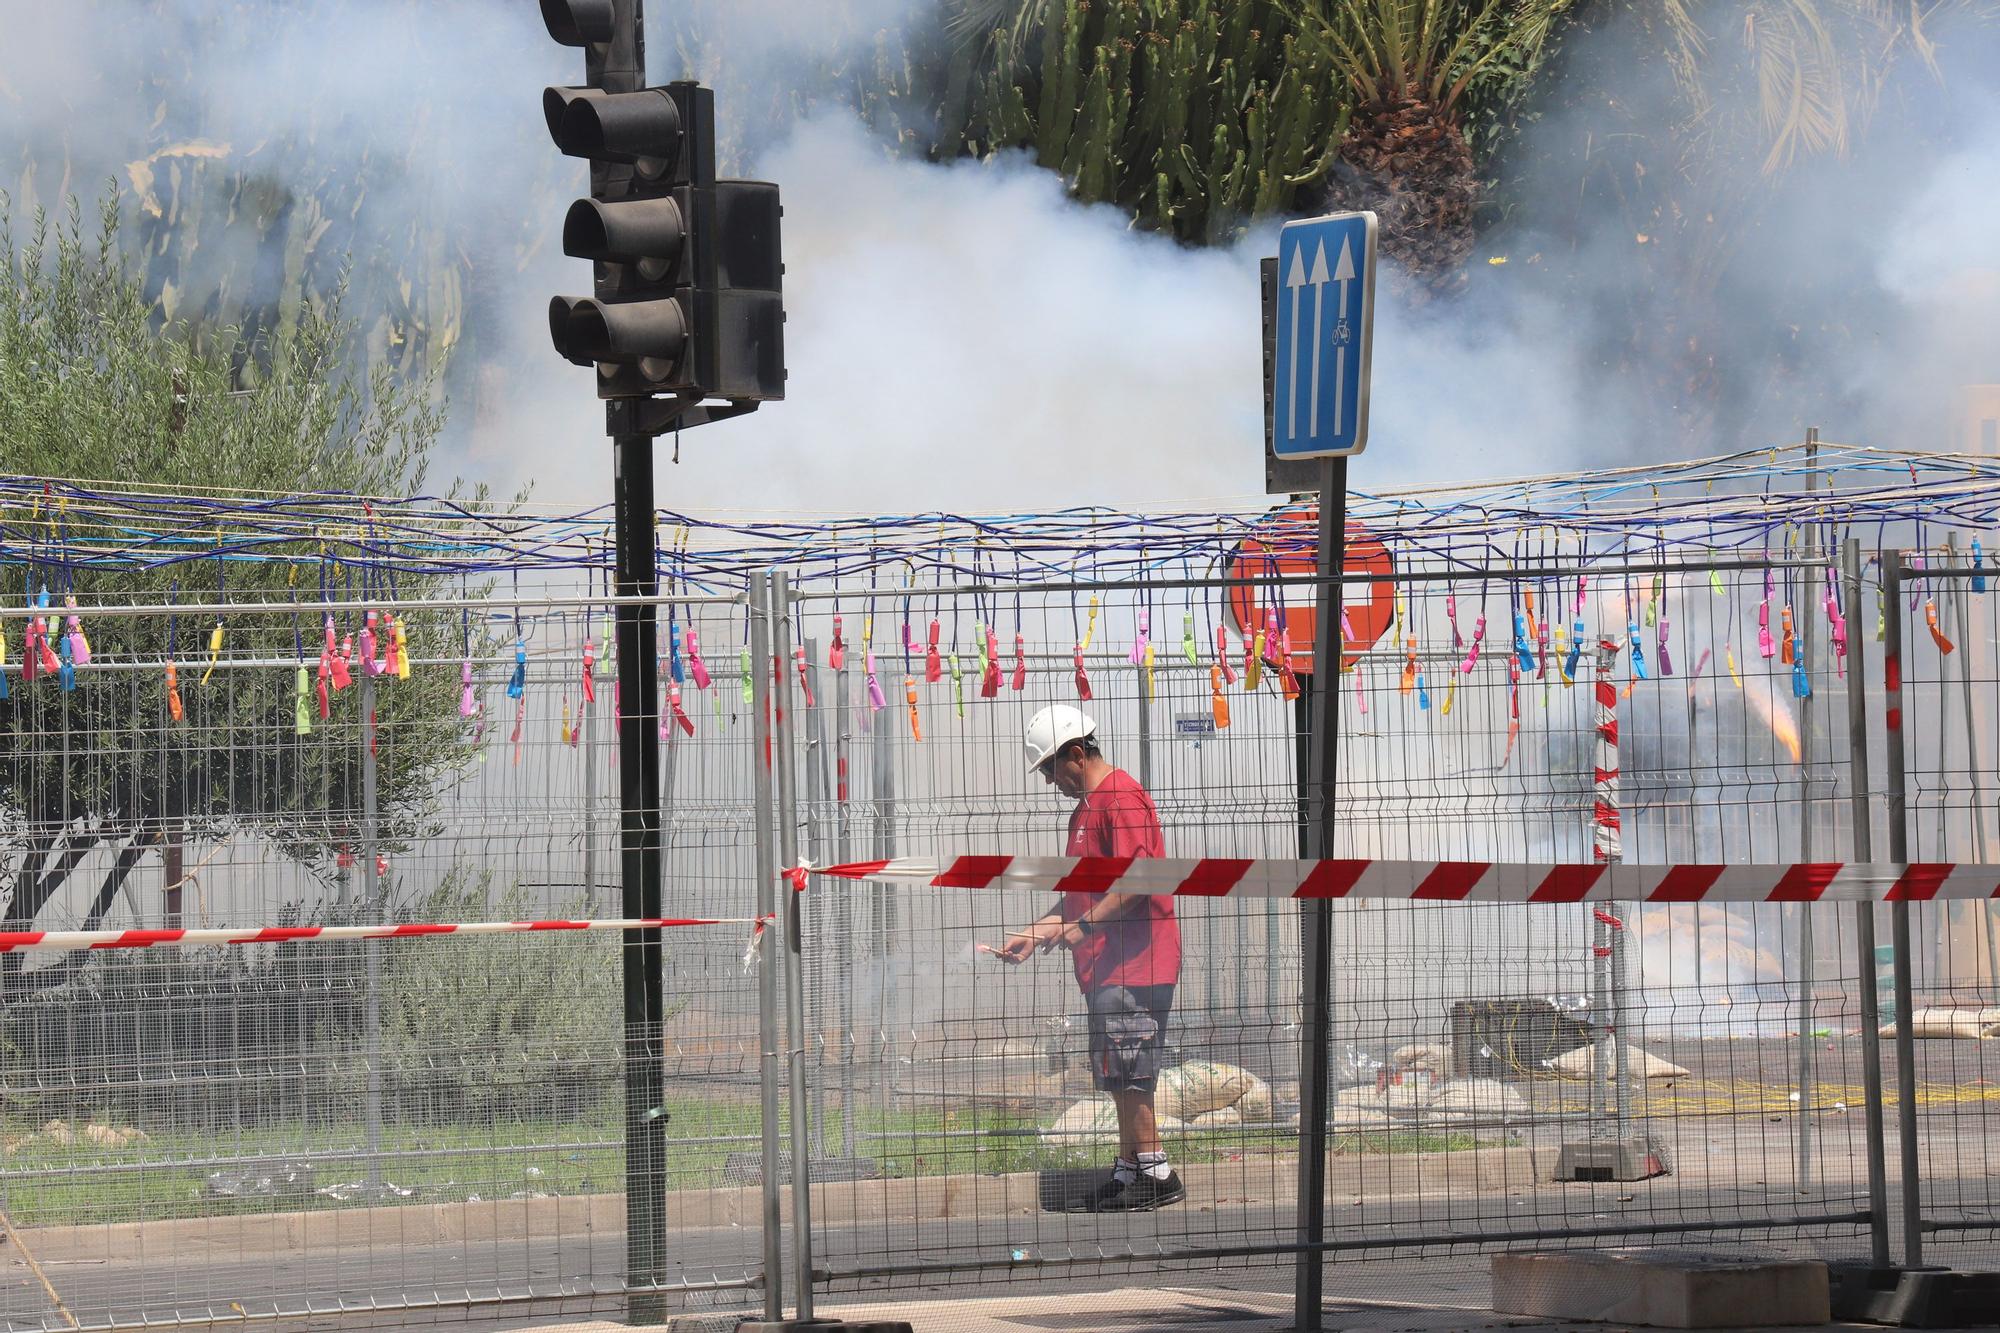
1141, 680
1981, 915
882, 907
1899, 911
1321, 779
791, 913
1864, 912
843, 850
758, 591
1805, 910
1608, 847
586, 722
812, 814
371, 909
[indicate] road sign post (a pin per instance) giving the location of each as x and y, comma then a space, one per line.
1319, 340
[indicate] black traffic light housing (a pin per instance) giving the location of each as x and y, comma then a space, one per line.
689, 291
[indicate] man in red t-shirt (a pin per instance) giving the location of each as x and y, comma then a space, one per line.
1126, 948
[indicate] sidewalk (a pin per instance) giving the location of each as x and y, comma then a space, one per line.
1180, 1309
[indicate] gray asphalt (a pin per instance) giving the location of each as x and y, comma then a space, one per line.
532, 1275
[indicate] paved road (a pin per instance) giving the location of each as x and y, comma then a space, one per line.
530, 1272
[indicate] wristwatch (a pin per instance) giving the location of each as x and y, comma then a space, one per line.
1085, 926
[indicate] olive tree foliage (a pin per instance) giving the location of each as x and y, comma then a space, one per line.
97, 386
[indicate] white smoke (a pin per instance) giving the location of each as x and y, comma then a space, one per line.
963, 336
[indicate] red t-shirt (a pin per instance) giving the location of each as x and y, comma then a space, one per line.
1142, 946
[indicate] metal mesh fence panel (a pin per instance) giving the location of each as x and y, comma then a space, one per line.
1948, 692
250, 1132
1471, 1043
258, 1131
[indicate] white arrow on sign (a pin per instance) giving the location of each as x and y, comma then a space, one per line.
1295, 280
1343, 273
1319, 311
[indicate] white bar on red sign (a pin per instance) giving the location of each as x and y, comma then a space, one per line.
1445, 881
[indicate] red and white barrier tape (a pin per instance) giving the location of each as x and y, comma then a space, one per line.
1605, 840
15, 940
1445, 881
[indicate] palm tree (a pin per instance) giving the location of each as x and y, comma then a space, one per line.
1408, 67
1672, 135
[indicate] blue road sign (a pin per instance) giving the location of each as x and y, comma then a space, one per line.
1326, 316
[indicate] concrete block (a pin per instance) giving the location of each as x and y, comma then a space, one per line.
1917, 1297
822, 1326
1620, 1159
1663, 1288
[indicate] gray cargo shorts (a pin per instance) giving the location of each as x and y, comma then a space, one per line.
1128, 1035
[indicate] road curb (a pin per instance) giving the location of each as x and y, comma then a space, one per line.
1213, 1186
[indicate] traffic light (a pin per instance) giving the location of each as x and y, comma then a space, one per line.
688, 297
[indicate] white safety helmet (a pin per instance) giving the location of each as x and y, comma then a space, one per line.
1054, 727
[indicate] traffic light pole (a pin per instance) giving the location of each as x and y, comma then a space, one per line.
640, 870
687, 307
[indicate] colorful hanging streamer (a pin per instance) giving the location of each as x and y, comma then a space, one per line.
877, 700
1472, 651
1944, 645
214, 651
681, 717
989, 672
79, 645
697, 669
301, 703
805, 677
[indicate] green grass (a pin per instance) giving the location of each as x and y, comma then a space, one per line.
49, 1184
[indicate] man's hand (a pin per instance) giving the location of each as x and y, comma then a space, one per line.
1022, 944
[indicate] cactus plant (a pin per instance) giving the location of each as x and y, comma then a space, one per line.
1192, 116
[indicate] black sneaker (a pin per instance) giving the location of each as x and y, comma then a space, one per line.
1104, 1199
1142, 1195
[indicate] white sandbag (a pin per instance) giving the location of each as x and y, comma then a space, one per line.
1196, 1086
1478, 1099
1087, 1123
1092, 1122
1360, 1107
1422, 1055
1254, 1106
1220, 1118
1406, 1095
1576, 1064
1951, 1022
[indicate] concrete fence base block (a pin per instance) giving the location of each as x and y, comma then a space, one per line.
1916, 1297
816, 1325
1662, 1288
1610, 1160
